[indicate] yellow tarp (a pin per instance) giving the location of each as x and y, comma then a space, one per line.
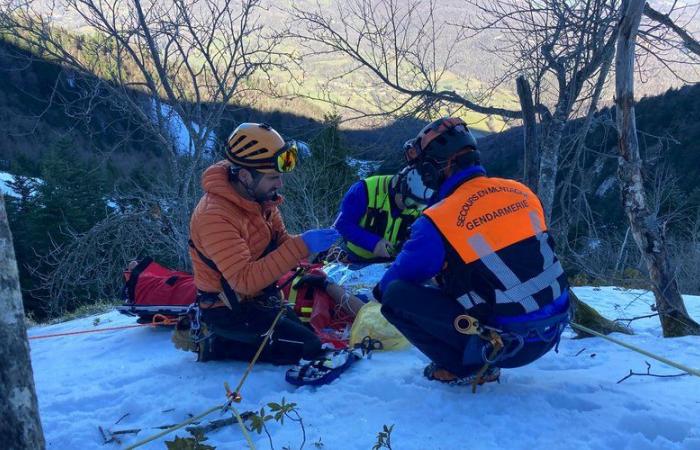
370, 322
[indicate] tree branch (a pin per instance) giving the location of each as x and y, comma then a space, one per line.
690, 43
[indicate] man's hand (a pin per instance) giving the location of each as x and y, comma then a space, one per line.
383, 249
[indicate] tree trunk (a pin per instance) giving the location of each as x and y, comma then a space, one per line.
590, 318
646, 230
20, 427
549, 161
530, 144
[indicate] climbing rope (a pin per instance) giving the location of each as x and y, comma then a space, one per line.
244, 430
667, 361
174, 427
235, 395
158, 320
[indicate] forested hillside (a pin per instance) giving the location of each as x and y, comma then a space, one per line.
46, 137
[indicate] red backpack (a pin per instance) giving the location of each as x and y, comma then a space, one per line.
315, 306
152, 289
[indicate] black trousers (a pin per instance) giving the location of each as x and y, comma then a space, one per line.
238, 336
425, 316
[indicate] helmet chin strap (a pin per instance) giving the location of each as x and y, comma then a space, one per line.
431, 174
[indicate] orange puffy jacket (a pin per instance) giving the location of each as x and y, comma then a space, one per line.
234, 232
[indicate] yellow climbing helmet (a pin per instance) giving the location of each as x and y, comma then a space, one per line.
259, 147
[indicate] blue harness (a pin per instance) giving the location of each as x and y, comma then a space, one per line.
544, 325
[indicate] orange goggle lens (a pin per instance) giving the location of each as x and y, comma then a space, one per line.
286, 159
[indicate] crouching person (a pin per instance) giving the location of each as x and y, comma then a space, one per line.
239, 248
502, 299
376, 215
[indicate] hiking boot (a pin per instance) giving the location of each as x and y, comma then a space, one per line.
433, 372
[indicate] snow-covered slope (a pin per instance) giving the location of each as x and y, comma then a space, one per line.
565, 400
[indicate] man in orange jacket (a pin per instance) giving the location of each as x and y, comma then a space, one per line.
240, 247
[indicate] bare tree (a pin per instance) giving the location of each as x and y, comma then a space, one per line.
20, 426
531, 144
664, 38
405, 48
559, 47
404, 51
409, 50
647, 232
314, 190
175, 68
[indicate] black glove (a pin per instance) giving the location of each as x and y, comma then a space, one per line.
314, 281
377, 293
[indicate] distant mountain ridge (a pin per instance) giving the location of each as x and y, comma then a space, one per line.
31, 118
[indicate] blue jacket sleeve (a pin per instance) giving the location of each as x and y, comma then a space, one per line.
421, 257
352, 209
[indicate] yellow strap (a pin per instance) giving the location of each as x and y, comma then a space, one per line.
292, 300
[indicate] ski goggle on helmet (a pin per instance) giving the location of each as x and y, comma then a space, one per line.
410, 185
439, 140
259, 147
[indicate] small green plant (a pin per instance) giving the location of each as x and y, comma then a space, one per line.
190, 443
96, 322
278, 412
384, 438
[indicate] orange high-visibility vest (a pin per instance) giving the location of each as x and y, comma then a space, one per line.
501, 211
484, 216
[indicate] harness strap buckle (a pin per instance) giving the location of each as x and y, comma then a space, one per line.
466, 324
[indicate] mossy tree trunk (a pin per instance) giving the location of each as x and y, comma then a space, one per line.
588, 317
20, 427
648, 233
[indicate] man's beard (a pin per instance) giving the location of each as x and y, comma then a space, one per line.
268, 196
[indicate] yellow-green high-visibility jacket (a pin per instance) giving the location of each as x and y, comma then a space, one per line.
378, 219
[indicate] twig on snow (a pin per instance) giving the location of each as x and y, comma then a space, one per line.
629, 321
649, 374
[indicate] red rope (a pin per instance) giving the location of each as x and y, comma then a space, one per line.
158, 320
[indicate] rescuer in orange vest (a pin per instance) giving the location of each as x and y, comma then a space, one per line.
501, 300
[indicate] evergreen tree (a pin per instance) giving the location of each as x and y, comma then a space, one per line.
71, 196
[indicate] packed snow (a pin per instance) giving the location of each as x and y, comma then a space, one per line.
6, 178
180, 135
5, 188
567, 400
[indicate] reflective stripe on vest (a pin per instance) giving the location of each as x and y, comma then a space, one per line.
379, 208
485, 215
548, 256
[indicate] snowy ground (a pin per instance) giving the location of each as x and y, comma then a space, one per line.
565, 400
